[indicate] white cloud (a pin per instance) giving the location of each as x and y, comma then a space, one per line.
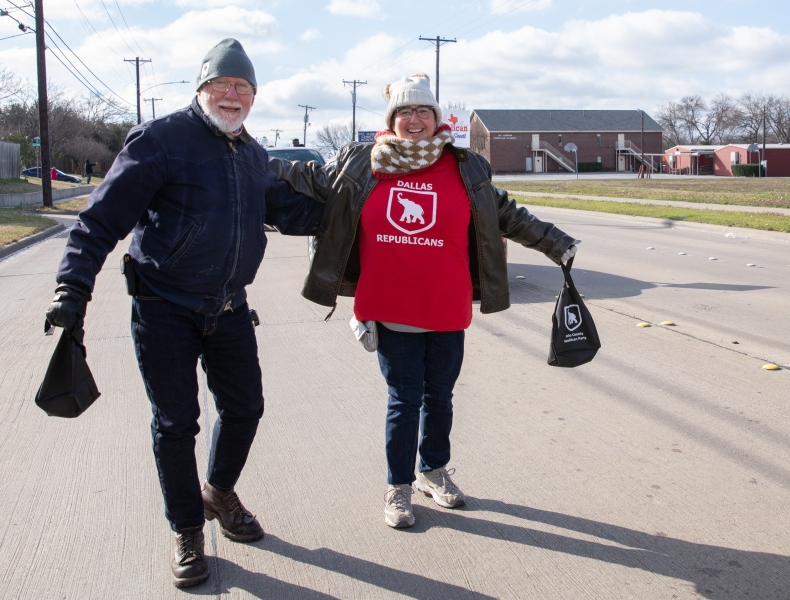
366, 9
517, 6
627, 61
310, 35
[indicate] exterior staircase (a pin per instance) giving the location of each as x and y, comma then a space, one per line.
558, 156
632, 149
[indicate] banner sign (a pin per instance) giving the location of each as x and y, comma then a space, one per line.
366, 136
458, 120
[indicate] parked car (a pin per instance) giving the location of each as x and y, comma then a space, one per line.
301, 154
36, 172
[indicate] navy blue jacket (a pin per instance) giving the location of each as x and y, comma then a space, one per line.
197, 202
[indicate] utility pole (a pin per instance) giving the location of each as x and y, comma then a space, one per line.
137, 60
354, 83
642, 144
306, 108
277, 133
153, 105
438, 42
43, 114
764, 158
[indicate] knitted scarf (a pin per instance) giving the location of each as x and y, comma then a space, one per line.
392, 156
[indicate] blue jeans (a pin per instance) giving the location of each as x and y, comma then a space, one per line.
420, 370
169, 340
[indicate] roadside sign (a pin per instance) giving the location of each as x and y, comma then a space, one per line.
366, 136
458, 120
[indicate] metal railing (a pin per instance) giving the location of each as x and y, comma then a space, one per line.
557, 156
629, 147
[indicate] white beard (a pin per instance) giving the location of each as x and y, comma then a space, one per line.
224, 122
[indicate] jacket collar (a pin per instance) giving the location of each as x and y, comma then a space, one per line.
243, 136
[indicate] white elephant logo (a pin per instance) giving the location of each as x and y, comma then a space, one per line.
573, 317
411, 211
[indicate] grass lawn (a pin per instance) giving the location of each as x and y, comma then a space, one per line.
21, 221
767, 221
15, 225
743, 191
25, 185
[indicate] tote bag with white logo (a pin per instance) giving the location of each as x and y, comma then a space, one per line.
574, 338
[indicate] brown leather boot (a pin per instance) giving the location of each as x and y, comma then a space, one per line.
189, 564
235, 521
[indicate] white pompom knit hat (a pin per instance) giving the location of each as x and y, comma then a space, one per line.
411, 91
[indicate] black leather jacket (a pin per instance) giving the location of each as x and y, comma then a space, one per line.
346, 183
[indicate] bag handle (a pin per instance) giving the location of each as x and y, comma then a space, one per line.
566, 271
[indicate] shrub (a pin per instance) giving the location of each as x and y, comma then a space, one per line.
587, 167
745, 170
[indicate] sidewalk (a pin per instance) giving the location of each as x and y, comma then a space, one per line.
678, 203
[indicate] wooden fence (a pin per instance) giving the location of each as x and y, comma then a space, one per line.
10, 161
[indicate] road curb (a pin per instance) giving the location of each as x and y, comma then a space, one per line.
30, 240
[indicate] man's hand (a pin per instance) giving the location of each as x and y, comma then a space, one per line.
570, 252
68, 306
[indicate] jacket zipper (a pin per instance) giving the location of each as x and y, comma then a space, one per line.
238, 218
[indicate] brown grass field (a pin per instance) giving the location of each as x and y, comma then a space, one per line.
743, 191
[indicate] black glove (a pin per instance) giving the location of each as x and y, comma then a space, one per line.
68, 306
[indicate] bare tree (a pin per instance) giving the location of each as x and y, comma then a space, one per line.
719, 121
331, 137
778, 117
79, 149
752, 106
10, 84
668, 116
454, 105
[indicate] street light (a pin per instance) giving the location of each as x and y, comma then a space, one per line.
573, 148
158, 84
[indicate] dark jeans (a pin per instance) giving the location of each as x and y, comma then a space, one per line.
88, 175
420, 370
169, 341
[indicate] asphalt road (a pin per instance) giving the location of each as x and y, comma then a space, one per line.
660, 470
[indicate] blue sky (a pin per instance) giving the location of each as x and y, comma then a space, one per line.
510, 53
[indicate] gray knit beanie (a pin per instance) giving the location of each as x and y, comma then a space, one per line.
410, 91
227, 59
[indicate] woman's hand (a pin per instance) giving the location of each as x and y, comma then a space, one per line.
570, 252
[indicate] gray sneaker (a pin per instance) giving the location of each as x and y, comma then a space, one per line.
397, 508
437, 484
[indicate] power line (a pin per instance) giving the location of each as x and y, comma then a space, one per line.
137, 60
29, 31
438, 42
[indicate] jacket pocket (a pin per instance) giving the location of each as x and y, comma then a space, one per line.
181, 246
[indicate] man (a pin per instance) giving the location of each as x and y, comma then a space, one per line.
197, 190
89, 169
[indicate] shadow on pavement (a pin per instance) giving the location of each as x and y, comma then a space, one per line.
408, 584
226, 576
715, 571
542, 282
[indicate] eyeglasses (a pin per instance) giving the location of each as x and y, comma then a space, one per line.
405, 112
242, 89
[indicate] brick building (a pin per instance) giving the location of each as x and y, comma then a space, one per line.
519, 141
718, 160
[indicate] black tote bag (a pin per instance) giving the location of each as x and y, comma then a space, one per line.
68, 388
574, 339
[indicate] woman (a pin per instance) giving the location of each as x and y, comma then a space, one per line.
412, 230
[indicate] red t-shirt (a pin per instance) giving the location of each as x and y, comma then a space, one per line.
414, 250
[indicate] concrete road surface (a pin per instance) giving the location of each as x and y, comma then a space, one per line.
660, 470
